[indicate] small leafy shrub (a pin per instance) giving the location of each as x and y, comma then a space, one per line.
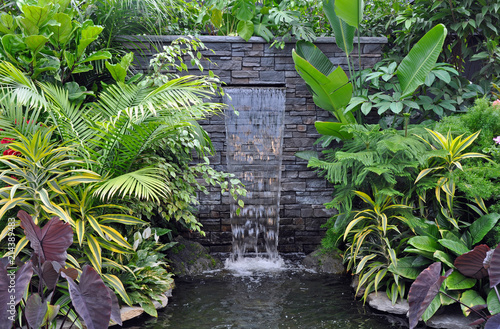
147, 276
46, 40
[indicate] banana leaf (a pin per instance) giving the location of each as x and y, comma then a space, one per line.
329, 84
420, 60
332, 129
344, 33
350, 11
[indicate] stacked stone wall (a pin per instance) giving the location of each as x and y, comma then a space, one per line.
303, 193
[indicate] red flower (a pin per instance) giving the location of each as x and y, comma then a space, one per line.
7, 140
11, 152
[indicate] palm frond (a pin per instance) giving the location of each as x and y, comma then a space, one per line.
14, 82
145, 183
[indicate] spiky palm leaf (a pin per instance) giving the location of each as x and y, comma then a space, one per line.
146, 183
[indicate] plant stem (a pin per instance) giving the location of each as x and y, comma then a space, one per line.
470, 308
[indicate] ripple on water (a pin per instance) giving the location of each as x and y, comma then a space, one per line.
245, 295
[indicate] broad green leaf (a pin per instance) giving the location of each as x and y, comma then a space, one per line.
88, 35
7, 23
457, 281
262, 31
244, 10
405, 268
13, 44
61, 32
350, 11
444, 257
470, 298
493, 302
445, 300
458, 248
117, 71
332, 129
35, 43
481, 226
216, 18
98, 55
425, 243
34, 18
344, 33
420, 60
329, 85
245, 29
432, 308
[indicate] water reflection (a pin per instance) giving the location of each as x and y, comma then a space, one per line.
283, 299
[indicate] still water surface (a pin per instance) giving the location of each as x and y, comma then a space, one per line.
275, 298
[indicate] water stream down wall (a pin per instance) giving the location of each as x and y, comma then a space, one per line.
254, 135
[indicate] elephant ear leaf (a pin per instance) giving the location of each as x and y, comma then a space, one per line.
344, 33
91, 298
35, 311
471, 263
423, 290
494, 267
51, 242
420, 60
7, 303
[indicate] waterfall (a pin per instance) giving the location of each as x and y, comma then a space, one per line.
254, 136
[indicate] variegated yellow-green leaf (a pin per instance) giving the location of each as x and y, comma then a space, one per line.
115, 236
95, 251
121, 219
20, 245
80, 230
95, 225
9, 205
73, 261
113, 246
113, 281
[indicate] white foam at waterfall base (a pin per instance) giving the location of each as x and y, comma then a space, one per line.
247, 266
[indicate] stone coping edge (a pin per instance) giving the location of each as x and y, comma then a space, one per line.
225, 39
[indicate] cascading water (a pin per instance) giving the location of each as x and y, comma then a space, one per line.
254, 135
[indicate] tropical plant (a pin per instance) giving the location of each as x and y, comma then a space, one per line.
374, 242
446, 156
47, 38
426, 293
148, 276
331, 88
95, 303
473, 22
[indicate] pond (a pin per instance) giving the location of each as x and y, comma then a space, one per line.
257, 295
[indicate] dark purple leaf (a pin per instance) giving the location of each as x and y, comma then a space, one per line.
493, 322
477, 322
71, 272
471, 263
494, 269
50, 242
35, 311
90, 298
423, 291
49, 275
115, 308
12, 287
